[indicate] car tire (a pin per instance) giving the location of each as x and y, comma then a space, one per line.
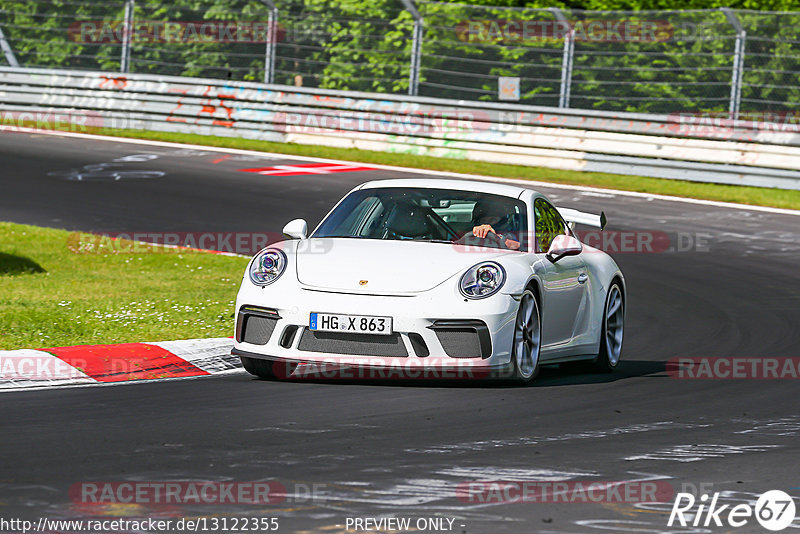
267, 368
527, 341
611, 330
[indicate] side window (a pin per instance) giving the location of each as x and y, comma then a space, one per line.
549, 224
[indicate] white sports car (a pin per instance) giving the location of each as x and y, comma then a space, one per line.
418, 276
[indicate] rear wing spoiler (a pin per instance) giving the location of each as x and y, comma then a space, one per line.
574, 217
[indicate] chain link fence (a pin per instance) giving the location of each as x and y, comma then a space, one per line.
729, 62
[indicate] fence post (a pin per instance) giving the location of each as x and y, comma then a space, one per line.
566, 60
416, 48
127, 31
272, 38
9, 53
738, 63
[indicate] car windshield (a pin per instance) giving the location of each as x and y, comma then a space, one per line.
438, 215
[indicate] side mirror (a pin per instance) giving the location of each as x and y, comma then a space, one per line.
296, 229
563, 245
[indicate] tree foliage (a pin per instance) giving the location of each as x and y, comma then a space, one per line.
365, 45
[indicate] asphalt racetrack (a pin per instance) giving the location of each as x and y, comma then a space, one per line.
728, 288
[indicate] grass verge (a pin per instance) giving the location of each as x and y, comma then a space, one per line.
760, 196
51, 295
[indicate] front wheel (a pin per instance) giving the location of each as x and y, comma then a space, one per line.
267, 368
611, 330
527, 340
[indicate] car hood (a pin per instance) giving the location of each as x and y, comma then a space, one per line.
380, 267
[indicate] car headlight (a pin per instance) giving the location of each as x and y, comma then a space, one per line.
482, 280
267, 266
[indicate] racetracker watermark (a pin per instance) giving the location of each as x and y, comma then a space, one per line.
609, 241
31, 366
174, 31
569, 492
591, 30
52, 120
747, 126
40, 365
244, 243
87, 121
388, 368
644, 241
166, 492
248, 243
416, 122
734, 368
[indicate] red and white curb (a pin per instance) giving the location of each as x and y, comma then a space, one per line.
120, 363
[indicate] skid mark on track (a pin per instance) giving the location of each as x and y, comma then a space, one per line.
483, 445
114, 171
501, 473
699, 452
442, 493
289, 429
785, 426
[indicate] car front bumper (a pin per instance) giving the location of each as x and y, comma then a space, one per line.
436, 329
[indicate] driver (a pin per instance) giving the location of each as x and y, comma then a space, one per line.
493, 217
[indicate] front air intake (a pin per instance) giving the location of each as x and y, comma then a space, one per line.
255, 325
463, 338
352, 344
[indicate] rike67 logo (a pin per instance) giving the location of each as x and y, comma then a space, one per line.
774, 510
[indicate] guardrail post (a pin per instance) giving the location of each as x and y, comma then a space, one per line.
127, 32
416, 48
738, 63
272, 41
566, 60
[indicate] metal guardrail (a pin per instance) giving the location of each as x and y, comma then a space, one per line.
663, 146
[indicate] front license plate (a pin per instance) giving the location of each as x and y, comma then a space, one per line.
357, 324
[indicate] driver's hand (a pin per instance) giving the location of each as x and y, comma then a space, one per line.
483, 230
512, 245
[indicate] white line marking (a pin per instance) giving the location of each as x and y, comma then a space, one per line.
647, 196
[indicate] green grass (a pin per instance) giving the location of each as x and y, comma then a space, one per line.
52, 296
760, 196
